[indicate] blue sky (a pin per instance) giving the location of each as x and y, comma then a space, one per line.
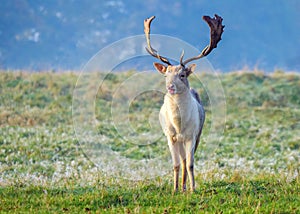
65, 34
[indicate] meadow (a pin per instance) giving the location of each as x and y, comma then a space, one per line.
254, 167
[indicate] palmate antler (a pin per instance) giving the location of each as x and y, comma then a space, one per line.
216, 30
152, 51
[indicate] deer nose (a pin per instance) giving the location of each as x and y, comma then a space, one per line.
171, 86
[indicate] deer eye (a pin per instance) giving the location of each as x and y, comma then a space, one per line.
182, 75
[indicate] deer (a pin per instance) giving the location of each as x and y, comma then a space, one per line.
182, 114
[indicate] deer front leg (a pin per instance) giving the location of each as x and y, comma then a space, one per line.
190, 164
176, 177
191, 177
167, 127
171, 133
183, 175
174, 149
183, 165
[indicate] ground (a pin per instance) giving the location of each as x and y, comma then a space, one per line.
44, 167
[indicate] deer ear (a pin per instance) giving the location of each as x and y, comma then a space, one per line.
160, 67
190, 69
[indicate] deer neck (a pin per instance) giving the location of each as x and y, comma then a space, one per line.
178, 109
179, 99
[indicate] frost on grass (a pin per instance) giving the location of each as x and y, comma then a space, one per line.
50, 156
38, 145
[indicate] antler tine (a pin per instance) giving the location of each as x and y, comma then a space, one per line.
216, 30
181, 58
150, 50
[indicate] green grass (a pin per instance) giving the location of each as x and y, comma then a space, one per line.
253, 169
251, 196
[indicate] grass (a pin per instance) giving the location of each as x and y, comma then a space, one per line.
252, 196
253, 169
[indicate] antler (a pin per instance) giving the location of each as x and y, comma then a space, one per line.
216, 30
150, 50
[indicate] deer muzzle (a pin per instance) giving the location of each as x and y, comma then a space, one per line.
171, 89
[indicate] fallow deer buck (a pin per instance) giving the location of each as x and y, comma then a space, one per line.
182, 114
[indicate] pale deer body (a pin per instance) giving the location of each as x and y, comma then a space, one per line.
182, 115
186, 117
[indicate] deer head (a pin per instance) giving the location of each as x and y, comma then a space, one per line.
176, 75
